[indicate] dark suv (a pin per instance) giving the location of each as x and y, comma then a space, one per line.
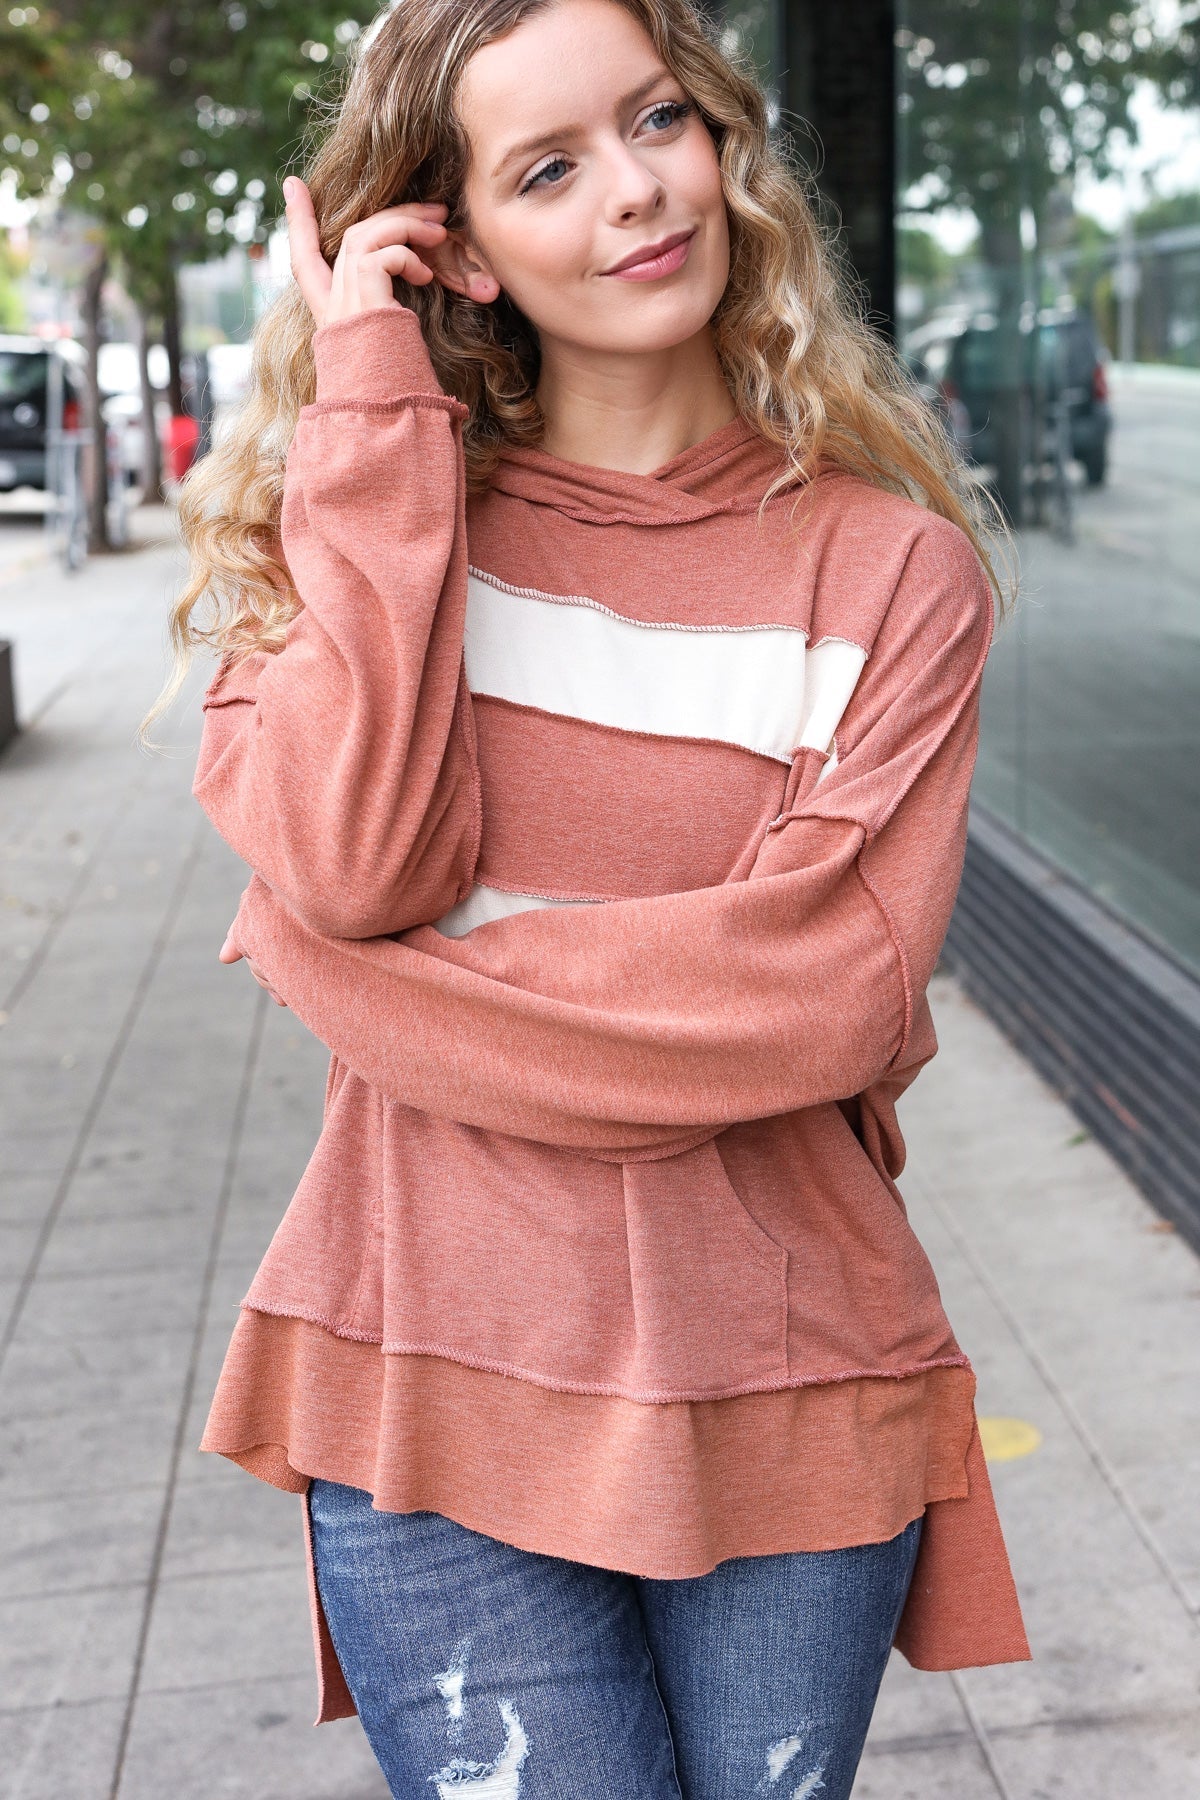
27, 376
961, 372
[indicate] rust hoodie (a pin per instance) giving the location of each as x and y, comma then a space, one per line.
607, 828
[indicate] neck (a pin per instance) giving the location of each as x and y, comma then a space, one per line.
631, 412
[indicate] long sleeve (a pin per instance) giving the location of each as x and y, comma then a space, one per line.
636, 1027
343, 768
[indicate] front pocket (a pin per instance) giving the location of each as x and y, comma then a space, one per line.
709, 1286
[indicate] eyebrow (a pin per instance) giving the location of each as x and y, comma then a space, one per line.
560, 133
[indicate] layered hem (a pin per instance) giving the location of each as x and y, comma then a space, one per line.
564, 1384
663, 1490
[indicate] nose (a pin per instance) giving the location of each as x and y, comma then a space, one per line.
632, 187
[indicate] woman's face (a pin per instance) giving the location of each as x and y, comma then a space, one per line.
584, 148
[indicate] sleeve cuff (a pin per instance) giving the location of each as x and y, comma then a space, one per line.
375, 355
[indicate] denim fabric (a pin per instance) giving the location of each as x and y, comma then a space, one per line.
481, 1669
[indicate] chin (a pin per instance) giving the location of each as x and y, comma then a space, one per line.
657, 323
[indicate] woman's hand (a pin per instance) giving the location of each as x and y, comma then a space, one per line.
229, 953
372, 252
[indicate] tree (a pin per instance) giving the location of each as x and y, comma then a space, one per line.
172, 125
1002, 103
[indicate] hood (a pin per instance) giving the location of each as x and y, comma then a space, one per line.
726, 472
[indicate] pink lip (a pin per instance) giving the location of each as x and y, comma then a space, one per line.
656, 259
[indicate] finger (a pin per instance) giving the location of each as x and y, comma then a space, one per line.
376, 272
313, 274
366, 282
395, 225
264, 984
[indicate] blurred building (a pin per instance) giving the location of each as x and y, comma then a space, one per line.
1018, 185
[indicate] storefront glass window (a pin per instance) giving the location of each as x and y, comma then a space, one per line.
756, 27
1049, 302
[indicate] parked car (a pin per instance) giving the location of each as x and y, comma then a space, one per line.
121, 387
958, 365
27, 369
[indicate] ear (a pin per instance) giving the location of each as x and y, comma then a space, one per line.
458, 265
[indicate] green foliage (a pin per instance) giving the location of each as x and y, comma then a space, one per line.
171, 124
12, 312
922, 258
1003, 100
1166, 213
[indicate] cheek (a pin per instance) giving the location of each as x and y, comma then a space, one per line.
540, 254
701, 173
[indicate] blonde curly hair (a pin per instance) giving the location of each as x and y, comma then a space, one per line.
801, 362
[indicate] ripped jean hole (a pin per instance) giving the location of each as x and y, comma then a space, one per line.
780, 1755
449, 1685
499, 1780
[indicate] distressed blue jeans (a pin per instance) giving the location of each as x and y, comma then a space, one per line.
481, 1669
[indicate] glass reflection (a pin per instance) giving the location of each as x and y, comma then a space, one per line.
1049, 304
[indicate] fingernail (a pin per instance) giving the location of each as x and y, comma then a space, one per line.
289, 187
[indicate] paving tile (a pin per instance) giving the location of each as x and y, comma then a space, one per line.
86, 1306
250, 1741
1156, 1756
151, 1240
24, 1195
246, 1626
1101, 1645
240, 1525
940, 1771
915, 1704
70, 1541
75, 1647
103, 1375
60, 1752
45, 1455
18, 1239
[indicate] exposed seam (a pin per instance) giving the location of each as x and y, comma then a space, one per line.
375, 1224
501, 887
530, 593
335, 1327
831, 637
465, 719
967, 695
656, 1396
901, 955
426, 402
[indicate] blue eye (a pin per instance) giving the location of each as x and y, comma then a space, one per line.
673, 110
535, 179
668, 112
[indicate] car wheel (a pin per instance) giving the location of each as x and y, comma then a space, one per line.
1095, 466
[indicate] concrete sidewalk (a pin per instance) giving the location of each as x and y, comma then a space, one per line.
157, 1112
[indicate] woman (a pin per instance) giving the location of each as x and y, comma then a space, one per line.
597, 709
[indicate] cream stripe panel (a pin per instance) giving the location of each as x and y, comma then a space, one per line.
485, 903
743, 687
760, 688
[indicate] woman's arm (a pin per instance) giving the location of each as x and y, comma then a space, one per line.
638, 1026
343, 768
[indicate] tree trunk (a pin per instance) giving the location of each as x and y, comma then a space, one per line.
1012, 416
151, 449
95, 458
171, 340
